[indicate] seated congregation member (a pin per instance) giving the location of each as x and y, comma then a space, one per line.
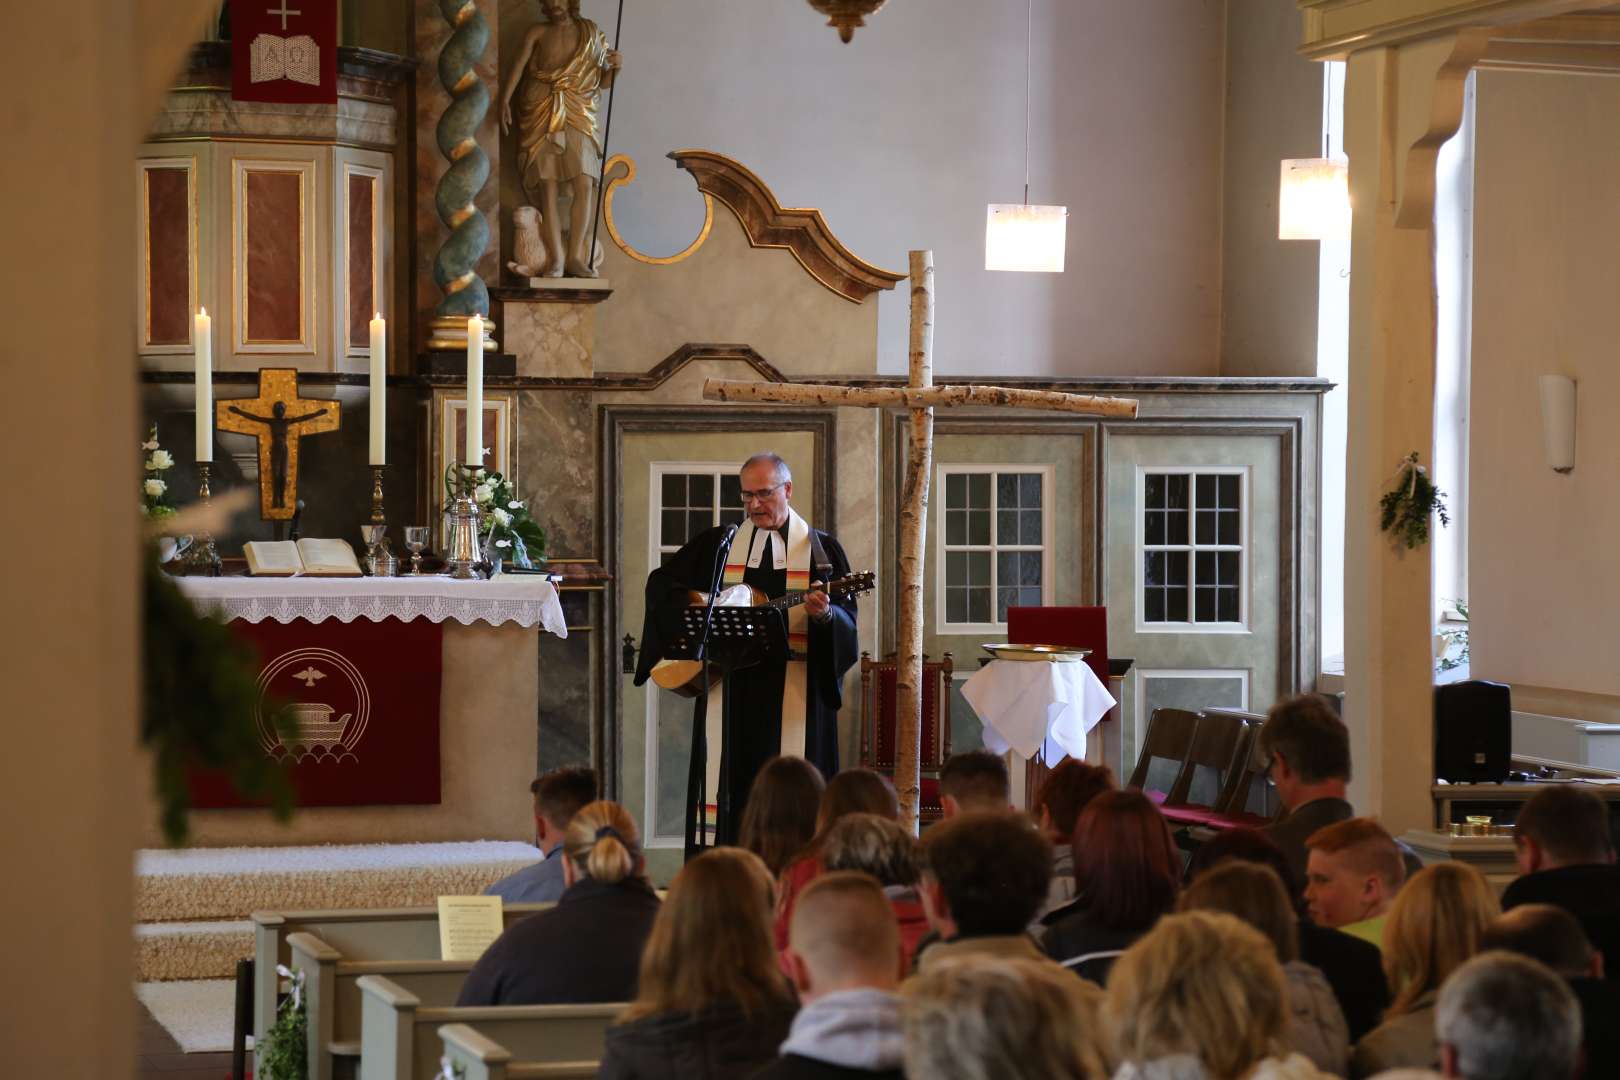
1566, 857
1354, 968
1435, 925
1315, 1024
781, 815
1308, 749
853, 791
977, 1017
558, 795
1127, 870
1552, 936
974, 781
880, 846
1352, 877
1201, 997
1506, 1017
588, 948
1062, 796
984, 876
712, 1002
845, 961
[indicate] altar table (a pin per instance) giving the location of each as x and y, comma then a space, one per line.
415, 701
1036, 707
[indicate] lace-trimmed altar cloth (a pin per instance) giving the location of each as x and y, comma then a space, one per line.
518, 599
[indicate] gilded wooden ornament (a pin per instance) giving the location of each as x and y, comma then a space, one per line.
277, 418
846, 15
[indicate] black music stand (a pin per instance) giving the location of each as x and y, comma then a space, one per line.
739, 637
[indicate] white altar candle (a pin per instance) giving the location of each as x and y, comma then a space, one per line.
474, 456
202, 341
379, 389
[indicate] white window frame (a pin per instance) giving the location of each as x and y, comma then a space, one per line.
1244, 548
1048, 475
652, 839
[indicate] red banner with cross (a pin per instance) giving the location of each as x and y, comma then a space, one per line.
284, 51
364, 701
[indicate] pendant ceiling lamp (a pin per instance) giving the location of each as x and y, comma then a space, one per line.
1313, 196
846, 15
1018, 236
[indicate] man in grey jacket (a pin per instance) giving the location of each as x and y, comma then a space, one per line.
558, 796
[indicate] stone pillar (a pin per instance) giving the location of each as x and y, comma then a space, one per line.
1401, 103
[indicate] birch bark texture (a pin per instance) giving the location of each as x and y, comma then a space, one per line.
921, 397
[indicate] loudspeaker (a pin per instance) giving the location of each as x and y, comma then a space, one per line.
1473, 732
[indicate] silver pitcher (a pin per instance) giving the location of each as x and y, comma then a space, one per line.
461, 538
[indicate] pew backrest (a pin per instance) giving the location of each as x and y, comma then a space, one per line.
400, 1037
475, 1056
358, 934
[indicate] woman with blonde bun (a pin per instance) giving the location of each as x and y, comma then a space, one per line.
587, 949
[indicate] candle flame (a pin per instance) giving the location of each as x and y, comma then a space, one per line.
377, 316
203, 312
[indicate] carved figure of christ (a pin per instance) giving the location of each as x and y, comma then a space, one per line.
920, 396
269, 419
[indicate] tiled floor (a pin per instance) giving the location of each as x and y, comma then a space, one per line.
158, 1056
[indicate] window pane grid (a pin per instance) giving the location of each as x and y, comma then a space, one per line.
994, 544
1192, 547
690, 502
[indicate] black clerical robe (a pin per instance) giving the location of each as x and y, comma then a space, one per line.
753, 694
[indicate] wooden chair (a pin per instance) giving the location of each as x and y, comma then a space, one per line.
1247, 801
1220, 743
878, 724
1164, 751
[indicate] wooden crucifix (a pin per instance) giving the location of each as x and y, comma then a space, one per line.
278, 418
920, 395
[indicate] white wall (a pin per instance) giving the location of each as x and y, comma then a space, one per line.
1545, 577
904, 135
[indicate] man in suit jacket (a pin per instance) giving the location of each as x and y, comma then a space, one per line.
1309, 751
1566, 858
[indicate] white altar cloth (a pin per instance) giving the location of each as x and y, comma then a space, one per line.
1024, 704
521, 599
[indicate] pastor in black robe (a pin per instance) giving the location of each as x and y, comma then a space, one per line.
753, 694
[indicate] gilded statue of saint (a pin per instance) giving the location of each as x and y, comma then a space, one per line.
562, 67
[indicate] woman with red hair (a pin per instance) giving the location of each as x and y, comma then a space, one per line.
1127, 869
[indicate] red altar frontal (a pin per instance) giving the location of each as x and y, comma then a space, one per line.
370, 671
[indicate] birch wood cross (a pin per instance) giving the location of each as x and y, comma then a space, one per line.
920, 396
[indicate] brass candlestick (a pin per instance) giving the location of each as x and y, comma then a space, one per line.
380, 561
201, 559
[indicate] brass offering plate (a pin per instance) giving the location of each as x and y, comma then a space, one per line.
1056, 654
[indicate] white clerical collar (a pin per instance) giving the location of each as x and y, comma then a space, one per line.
756, 550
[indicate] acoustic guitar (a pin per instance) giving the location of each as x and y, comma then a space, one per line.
685, 677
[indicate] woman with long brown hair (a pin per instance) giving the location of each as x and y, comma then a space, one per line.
1126, 873
1434, 926
712, 1003
853, 791
783, 805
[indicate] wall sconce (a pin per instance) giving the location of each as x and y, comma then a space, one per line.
1558, 421
1313, 200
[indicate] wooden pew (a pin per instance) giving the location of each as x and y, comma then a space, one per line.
332, 996
359, 934
400, 1033
474, 1056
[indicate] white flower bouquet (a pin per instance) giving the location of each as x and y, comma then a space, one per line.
504, 521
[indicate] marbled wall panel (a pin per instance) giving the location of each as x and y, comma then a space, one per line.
549, 340
567, 691
274, 260
362, 242
557, 468
168, 256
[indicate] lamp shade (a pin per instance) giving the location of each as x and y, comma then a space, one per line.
1558, 421
1022, 237
1313, 202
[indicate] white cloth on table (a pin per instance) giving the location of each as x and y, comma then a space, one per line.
1025, 704
519, 599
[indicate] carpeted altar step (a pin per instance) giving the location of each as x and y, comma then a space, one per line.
231, 883
191, 950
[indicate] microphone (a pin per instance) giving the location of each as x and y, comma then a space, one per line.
292, 527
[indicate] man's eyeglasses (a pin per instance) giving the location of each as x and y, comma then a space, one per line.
759, 496
1271, 762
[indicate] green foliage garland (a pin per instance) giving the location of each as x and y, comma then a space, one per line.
199, 696
284, 1055
1407, 508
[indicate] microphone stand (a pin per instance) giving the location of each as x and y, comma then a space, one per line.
702, 733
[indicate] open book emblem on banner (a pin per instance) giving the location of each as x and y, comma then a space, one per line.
324, 730
297, 59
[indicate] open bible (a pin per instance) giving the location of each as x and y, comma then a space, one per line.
309, 557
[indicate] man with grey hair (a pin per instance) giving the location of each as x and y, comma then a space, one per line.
1502, 1016
781, 704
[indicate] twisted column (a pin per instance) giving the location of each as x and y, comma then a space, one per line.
453, 267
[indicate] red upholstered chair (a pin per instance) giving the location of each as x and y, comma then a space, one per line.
1246, 801
878, 724
1165, 747
1219, 746
1079, 627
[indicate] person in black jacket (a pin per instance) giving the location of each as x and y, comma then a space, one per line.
712, 1002
586, 950
844, 957
1566, 856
